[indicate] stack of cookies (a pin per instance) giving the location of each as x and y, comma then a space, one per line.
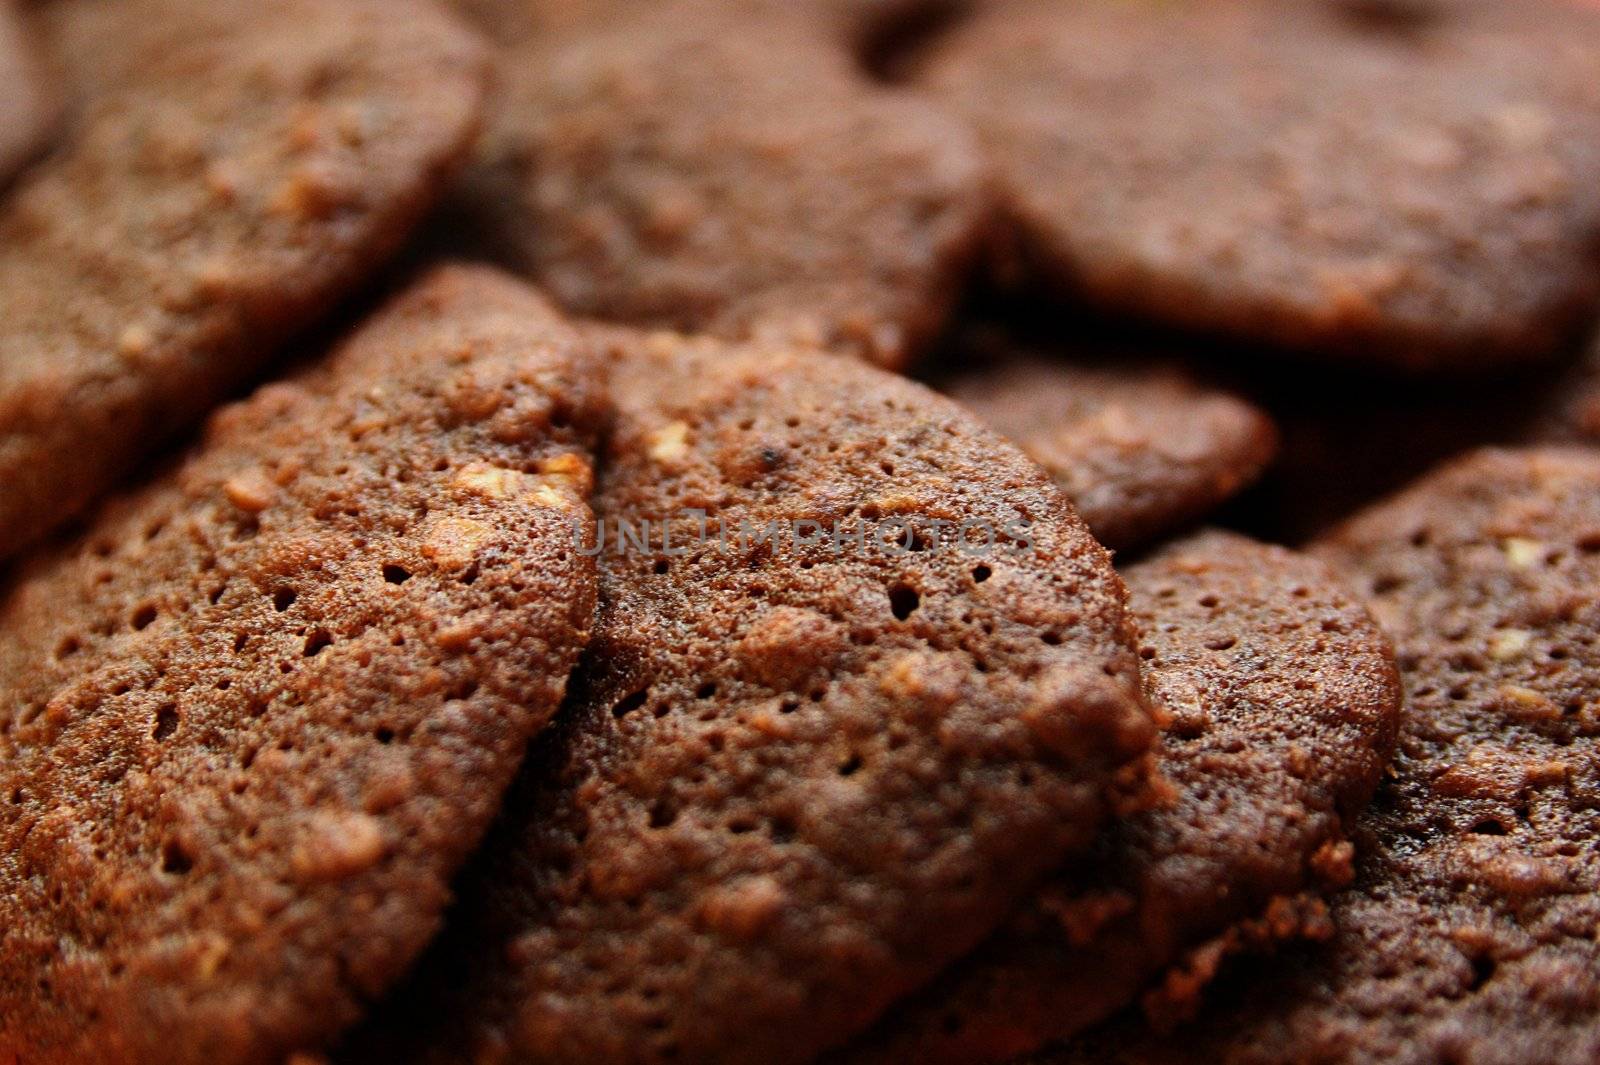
782, 531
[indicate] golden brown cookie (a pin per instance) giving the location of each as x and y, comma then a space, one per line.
706, 170
232, 168
1284, 704
814, 754
253, 721
1406, 184
1472, 932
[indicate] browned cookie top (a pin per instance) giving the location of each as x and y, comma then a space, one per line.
252, 721
1284, 703
233, 165
25, 104
1140, 446
1472, 932
1406, 183
702, 169
795, 781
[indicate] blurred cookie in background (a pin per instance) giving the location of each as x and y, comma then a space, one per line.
27, 104
230, 170
692, 167
1141, 446
1400, 184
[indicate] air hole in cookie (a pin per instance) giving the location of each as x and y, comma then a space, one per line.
1209, 601
174, 859
663, 814
661, 567
68, 647
143, 617
283, 599
316, 643
1483, 968
631, 703
383, 734
1221, 643
851, 766
981, 574
903, 601
1051, 639
1489, 826
396, 574
166, 723
706, 690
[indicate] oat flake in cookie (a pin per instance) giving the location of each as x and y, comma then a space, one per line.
1142, 447
1472, 932
1410, 184
231, 168
252, 722
1284, 703
689, 166
793, 783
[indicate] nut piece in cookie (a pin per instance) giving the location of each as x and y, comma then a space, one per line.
253, 721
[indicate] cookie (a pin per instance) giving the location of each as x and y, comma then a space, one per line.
1284, 703
233, 167
25, 104
1141, 447
672, 167
1472, 932
814, 754
1401, 184
254, 720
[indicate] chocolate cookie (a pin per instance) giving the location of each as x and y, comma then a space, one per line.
1401, 183
254, 720
234, 166
25, 104
674, 166
1284, 704
816, 753
1472, 932
1140, 446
